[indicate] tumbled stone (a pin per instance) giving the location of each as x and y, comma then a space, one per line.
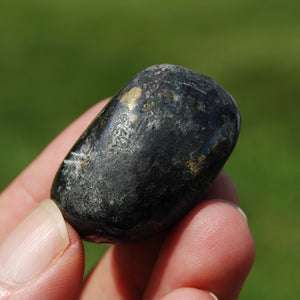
148, 157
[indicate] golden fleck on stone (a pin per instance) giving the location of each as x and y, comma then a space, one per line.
215, 146
195, 166
168, 98
148, 106
103, 122
84, 164
201, 158
129, 99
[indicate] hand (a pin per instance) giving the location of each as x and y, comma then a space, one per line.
210, 251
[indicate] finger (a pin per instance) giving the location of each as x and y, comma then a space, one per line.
33, 184
211, 249
42, 258
123, 272
223, 187
189, 293
125, 269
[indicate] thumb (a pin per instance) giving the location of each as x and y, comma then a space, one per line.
42, 258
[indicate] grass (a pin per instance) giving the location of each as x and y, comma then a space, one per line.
57, 58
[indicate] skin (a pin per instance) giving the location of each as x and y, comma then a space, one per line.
211, 249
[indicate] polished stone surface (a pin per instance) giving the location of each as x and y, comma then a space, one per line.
147, 158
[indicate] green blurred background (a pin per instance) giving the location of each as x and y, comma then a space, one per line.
58, 58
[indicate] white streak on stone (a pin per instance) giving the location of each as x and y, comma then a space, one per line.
194, 87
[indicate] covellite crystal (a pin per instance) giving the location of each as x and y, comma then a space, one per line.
147, 158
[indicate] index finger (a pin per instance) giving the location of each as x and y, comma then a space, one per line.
33, 184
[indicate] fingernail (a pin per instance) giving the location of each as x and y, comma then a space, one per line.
40, 238
236, 206
213, 295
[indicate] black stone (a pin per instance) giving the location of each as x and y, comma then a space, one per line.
147, 158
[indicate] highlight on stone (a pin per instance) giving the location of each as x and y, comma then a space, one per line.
148, 157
